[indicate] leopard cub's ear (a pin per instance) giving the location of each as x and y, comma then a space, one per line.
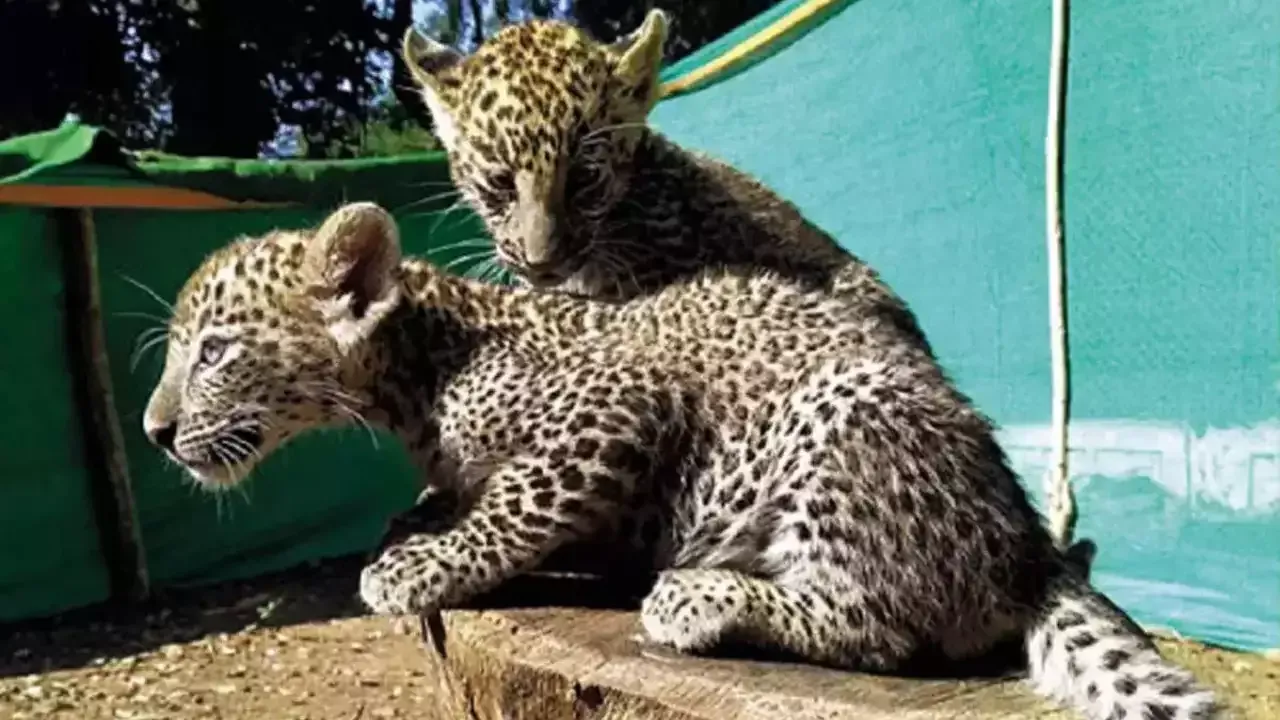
639, 58
352, 265
434, 67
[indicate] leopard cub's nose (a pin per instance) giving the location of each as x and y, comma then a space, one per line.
160, 434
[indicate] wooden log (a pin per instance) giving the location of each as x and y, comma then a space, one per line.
105, 457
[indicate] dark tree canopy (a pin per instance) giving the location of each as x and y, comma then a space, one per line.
70, 57
243, 78
242, 68
694, 23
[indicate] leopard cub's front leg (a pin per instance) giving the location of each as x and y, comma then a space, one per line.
525, 510
434, 511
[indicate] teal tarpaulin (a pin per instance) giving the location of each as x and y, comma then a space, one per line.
914, 132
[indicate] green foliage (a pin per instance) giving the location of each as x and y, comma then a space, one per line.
383, 139
389, 131
236, 70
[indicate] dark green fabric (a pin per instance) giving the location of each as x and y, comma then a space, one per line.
82, 155
26, 157
51, 558
914, 132
397, 183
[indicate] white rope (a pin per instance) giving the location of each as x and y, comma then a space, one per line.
1062, 504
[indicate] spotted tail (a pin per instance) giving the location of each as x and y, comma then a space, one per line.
1089, 655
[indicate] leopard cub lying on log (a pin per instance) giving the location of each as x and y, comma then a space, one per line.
559, 421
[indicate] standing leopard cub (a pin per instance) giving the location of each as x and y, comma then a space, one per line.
880, 507
547, 140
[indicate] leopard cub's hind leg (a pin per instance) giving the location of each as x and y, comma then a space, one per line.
697, 610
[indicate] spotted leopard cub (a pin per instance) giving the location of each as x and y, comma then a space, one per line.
547, 135
878, 518
541, 445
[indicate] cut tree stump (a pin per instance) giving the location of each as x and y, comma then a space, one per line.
522, 653
562, 664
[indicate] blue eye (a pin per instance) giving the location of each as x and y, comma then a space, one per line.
212, 350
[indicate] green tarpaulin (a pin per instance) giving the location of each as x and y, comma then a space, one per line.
86, 157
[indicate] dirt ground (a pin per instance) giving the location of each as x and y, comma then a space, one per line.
293, 646
1249, 682
296, 646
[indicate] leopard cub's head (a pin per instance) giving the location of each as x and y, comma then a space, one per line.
541, 125
269, 338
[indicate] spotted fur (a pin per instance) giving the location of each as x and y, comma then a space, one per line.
880, 519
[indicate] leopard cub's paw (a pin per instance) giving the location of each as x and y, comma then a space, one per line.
389, 586
381, 593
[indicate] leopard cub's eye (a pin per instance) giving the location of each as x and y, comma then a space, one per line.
212, 350
503, 182
497, 191
584, 181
